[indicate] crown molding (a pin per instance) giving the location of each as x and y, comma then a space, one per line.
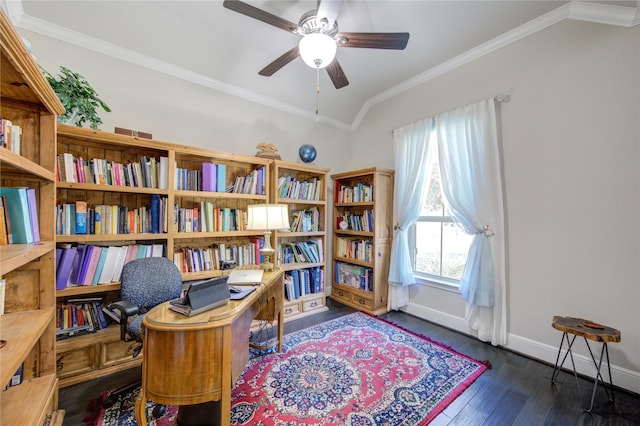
582, 11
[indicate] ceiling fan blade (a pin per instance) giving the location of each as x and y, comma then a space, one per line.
397, 41
280, 62
260, 15
336, 74
329, 9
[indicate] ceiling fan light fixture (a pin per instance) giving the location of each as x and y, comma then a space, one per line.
317, 50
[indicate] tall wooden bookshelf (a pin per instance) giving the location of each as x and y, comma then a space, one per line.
93, 355
303, 188
362, 233
28, 324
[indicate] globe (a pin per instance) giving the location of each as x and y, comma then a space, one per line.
307, 153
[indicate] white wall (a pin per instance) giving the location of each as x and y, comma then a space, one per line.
177, 111
571, 152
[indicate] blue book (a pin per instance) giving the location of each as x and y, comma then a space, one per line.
221, 177
18, 210
64, 269
155, 213
77, 263
103, 256
296, 284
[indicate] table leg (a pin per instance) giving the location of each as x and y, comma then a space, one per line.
140, 408
598, 378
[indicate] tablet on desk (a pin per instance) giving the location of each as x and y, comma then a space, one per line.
202, 296
245, 277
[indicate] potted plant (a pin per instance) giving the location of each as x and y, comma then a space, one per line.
78, 98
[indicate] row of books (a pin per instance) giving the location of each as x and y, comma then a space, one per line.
81, 218
310, 251
290, 187
19, 216
354, 248
213, 178
189, 259
360, 193
207, 218
84, 264
356, 222
10, 136
76, 317
301, 282
355, 276
305, 220
149, 172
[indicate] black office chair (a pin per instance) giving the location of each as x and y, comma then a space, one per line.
145, 284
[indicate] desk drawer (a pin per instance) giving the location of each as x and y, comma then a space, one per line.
291, 308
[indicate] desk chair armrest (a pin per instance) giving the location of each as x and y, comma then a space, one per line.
127, 310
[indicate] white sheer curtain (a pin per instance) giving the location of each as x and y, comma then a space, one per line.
411, 149
471, 174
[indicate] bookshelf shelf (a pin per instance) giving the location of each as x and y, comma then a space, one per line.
87, 290
109, 238
306, 188
28, 325
111, 188
362, 193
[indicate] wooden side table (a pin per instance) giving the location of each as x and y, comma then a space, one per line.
589, 331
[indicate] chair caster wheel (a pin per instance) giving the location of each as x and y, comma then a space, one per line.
159, 411
109, 401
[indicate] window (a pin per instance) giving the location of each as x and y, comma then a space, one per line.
441, 247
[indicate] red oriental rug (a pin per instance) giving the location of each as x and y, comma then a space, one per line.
355, 370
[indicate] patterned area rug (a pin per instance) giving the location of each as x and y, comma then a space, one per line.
356, 370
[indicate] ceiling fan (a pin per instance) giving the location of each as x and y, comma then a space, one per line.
319, 26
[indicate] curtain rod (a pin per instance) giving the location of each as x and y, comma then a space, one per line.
497, 98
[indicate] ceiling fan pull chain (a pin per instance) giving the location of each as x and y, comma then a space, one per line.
317, 93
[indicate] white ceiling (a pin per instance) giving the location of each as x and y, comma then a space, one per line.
208, 44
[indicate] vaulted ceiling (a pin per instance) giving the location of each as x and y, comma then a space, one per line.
206, 43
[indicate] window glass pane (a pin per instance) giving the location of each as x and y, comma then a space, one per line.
433, 205
428, 259
455, 248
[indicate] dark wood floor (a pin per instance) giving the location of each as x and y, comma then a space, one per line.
516, 391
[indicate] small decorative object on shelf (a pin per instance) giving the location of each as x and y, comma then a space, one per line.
267, 150
307, 153
134, 133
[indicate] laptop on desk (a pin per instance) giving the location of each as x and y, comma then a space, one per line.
201, 296
240, 277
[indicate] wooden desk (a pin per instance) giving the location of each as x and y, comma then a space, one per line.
195, 360
592, 331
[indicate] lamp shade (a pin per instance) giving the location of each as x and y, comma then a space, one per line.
317, 50
267, 217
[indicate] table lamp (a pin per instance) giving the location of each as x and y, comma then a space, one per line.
268, 217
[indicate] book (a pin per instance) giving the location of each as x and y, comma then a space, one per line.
109, 264
100, 266
18, 209
221, 177
119, 263
33, 214
63, 271
93, 264
85, 265
81, 217
209, 175
155, 213
77, 263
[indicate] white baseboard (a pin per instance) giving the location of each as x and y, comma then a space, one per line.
622, 377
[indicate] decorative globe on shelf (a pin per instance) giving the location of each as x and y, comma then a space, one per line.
307, 153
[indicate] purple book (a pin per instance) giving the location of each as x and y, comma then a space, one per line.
85, 265
209, 177
77, 264
64, 269
33, 214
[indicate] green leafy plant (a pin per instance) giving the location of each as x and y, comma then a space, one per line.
78, 98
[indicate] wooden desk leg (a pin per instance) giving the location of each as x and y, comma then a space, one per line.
225, 398
280, 328
140, 408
